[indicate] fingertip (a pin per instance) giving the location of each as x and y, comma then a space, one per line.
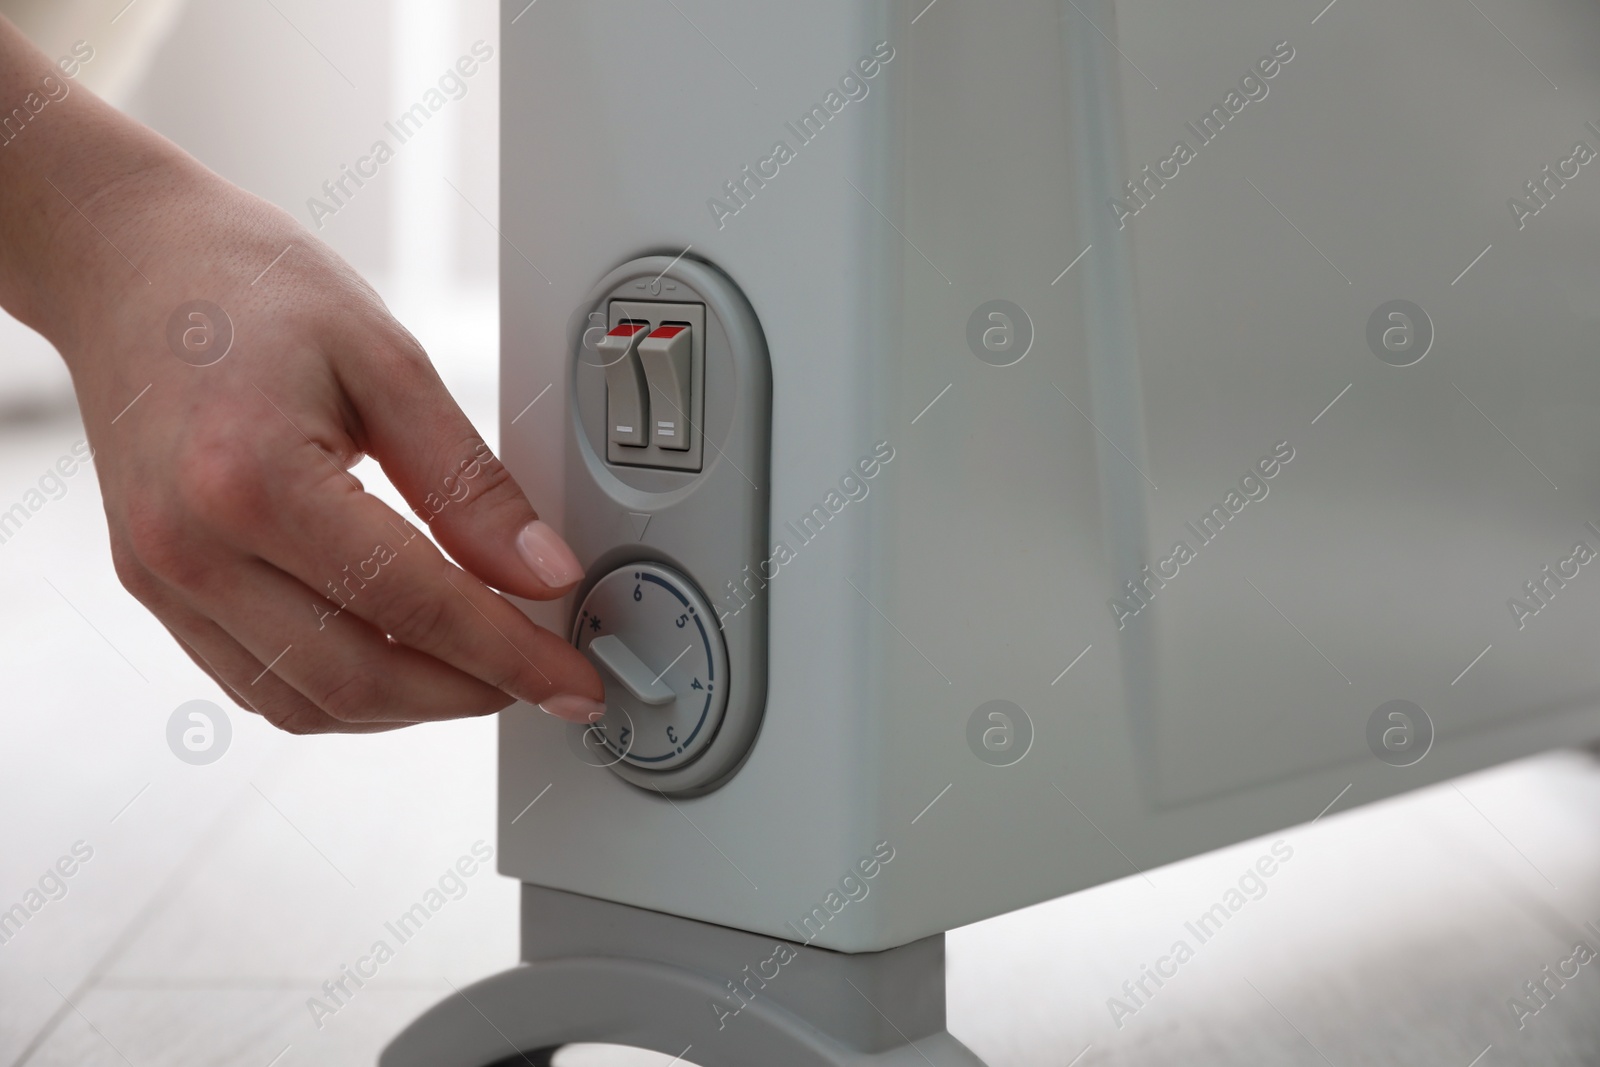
573, 708
549, 557
587, 682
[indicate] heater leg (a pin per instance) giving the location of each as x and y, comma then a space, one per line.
598, 972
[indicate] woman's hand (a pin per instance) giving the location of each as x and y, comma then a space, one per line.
230, 369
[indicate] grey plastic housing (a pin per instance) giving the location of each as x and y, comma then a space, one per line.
709, 524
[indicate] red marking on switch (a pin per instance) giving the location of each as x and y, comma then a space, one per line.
665, 332
627, 329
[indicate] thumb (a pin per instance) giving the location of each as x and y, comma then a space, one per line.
455, 483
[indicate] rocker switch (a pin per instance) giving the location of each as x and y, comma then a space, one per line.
667, 357
627, 417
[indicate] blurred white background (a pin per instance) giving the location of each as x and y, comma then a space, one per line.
276, 95
220, 898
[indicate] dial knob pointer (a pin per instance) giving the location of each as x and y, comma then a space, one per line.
640, 681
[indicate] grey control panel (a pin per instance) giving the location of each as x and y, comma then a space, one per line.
667, 504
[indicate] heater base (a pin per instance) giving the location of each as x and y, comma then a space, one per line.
600, 972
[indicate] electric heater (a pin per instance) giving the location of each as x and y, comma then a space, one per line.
1013, 446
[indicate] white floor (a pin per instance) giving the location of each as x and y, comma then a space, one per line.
219, 898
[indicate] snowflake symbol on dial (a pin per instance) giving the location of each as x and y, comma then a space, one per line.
594, 622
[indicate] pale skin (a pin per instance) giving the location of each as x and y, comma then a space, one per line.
227, 489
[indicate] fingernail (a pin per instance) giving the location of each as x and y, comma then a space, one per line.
547, 555
572, 707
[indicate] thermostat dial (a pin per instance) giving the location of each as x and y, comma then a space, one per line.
655, 640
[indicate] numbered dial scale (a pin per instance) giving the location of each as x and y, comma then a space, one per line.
656, 643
